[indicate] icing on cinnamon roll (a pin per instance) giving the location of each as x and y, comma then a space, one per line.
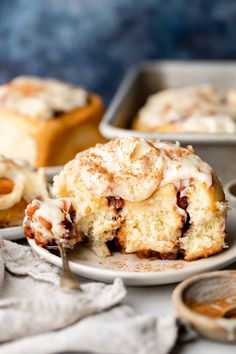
44, 99
202, 109
133, 168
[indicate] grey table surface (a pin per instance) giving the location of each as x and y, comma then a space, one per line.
158, 300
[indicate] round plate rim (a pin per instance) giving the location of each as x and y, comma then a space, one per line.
12, 233
169, 276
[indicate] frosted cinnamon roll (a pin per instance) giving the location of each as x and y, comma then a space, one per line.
51, 221
19, 185
202, 109
48, 120
145, 197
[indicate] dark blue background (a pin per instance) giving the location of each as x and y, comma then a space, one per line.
93, 42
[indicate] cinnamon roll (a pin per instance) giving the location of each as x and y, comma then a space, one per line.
51, 221
202, 109
155, 199
46, 121
19, 185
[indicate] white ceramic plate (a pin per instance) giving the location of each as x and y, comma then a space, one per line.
12, 233
140, 272
16, 232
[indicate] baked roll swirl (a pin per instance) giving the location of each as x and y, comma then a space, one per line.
19, 185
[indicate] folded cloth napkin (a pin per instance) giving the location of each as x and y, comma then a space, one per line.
37, 316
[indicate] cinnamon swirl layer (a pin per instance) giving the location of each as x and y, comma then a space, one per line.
19, 185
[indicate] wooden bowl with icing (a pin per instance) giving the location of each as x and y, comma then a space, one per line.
202, 300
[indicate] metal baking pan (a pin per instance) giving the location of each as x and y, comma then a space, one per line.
149, 77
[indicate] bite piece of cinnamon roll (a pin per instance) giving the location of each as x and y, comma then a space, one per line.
151, 198
51, 221
19, 185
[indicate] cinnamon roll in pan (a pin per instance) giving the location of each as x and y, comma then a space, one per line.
197, 109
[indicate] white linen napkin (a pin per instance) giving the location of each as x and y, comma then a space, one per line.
37, 316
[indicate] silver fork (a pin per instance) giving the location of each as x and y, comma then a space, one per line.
68, 279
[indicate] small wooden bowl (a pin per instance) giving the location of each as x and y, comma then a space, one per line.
205, 288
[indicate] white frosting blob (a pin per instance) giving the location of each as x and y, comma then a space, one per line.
129, 168
193, 109
28, 184
133, 168
40, 98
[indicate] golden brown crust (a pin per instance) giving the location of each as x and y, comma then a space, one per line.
55, 140
216, 191
157, 255
14, 215
164, 128
59, 139
207, 252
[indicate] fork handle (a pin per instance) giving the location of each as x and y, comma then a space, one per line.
68, 279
